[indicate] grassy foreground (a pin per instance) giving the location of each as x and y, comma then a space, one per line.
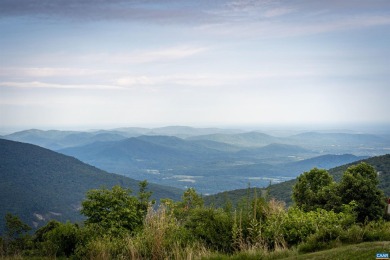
362, 251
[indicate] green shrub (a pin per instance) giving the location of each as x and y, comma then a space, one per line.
60, 240
107, 247
115, 210
377, 231
212, 227
299, 225
314, 243
353, 235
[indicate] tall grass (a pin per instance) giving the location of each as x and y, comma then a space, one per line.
164, 238
161, 238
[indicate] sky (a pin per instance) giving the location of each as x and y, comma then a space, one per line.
110, 63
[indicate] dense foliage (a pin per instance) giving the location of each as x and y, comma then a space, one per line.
316, 189
283, 191
113, 210
119, 225
359, 183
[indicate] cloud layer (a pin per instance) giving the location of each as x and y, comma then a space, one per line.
128, 62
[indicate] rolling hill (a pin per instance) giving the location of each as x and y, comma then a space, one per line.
208, 159
56, 139
208, 166
338, 138
38, 184
282, 191
327, 161
325, 143
144, 152
249, 139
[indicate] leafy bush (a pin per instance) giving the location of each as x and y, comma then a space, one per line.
355, 234
377, 231
57, 239
212, 227
328, 225
114, 210
359, 183
107, 247
316, 189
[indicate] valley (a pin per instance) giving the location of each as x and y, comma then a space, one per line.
211, 160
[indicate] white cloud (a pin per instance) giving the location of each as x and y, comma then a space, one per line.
176, 79
167, 54
134, 81
228, 79
38, 84
146, 56
48, 72
339, 24
292, 28
275, 12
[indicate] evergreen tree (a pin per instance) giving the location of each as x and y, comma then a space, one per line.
14, 227
15, 239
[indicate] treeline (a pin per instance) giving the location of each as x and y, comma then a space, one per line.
120, 225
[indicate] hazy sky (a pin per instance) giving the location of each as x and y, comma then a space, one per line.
71, 63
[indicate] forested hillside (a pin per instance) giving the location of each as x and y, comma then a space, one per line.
38, 184
207, 166
283, 191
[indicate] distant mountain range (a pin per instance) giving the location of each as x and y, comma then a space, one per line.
250, 139
38, 184
208, 159
360, 144
364, 144
55, 139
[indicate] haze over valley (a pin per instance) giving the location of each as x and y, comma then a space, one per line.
211, 160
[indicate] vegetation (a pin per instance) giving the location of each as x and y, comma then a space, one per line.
380, 163
359, 184
283, 191
39, 185
119, 225
113, 210
315, 189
